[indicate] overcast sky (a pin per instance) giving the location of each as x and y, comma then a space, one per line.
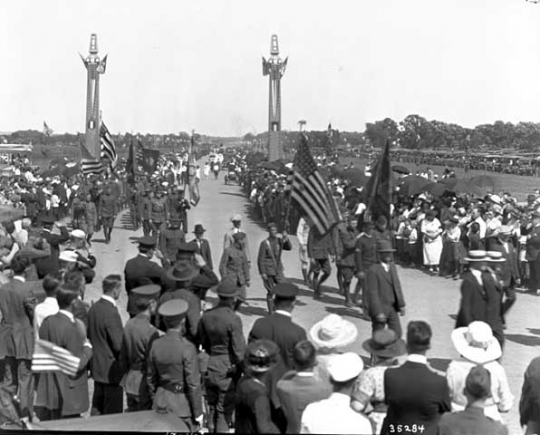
181, 65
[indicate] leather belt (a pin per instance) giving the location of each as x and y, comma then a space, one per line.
174, 388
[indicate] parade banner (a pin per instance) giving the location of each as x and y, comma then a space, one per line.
379, 189
108, 148
150, 160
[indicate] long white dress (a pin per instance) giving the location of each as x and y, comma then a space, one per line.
432, 247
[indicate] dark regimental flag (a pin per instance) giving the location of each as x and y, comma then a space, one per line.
379, 188
150, 159
47, 130
108, 148
131, 168
310, 191
48, 357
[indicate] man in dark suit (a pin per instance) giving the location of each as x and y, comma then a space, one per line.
416, 396
173, 376
138, 336
203, 246
269, 260
509, 271
384, 297
280, 328
472, 420
533, 252
474, 299
18, 340
50, 264
141, 270
105, 334
221, 336
297, 389
60, 395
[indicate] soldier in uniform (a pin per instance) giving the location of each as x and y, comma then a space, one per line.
138, 336
269, 260
234, 266
147, 211
345, 241
107, 211
178, 207
228, 237
173, 375
159, 213
533, 252
222, 337
133, 198
319, 249
365, 257
170, 240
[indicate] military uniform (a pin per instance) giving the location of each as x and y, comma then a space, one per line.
146, 213
107, 211
173, 375
221, 335
138, 336
170, 240
365, 256
178, 207
533, 257
319, 249
345, 242
234, 265
159, 212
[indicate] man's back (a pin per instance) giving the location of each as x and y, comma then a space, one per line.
472, 421
416, 397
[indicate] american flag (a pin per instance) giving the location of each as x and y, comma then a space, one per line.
108, 148
311, 193
48, 357
91, 166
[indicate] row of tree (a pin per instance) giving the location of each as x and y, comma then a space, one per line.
416, 132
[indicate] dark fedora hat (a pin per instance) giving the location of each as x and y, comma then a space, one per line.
386, 344
199, 229
182, 270
226, 288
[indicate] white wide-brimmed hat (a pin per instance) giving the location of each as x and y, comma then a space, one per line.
332, 332
477, 255
345, 366
476, 343
79, 234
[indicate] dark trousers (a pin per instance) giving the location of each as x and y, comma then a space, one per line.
19, 382
534, 283
135, 403
107, 399
392, 320
269, 284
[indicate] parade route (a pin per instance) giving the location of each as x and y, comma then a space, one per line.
429, 298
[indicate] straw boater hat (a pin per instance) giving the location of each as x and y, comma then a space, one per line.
477, 255
495, 257
385, 343
476, 343
332, 332
503, 230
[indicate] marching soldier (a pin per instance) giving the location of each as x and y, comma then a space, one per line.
147, 211
178, 207
173, 375
319, 250
235, 266
159, 212
139, 334
345, 241
133, 197
365, 257
170, 240
107, 212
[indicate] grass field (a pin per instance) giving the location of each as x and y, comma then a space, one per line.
518, 186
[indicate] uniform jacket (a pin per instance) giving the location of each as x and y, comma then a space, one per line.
473, 305
345, 243
105, 334
296, 393
17, 336
533, 244
509, 269
319, 245
286, 334
253, 408
228, 241
472, 421
173, 362
204, 251
365, 252
169, 241
107, 206
57, 390
234, 264
137, 338
269, 258
50, 264
140, 271
193, 315
415, 395
159, 209
383, 290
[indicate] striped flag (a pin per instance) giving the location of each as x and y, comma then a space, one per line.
310, 191
91, 166
108, 148
48, 357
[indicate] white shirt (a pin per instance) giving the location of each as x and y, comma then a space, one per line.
417, 358
283, 313
108, 298
49, 307
334, 415
478, 275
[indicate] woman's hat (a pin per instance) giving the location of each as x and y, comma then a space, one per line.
199, 229
261, 356
477, 255
503, 230
385, 343
495, 257
476, 343
332, 332
384, 246
182, 270
79, 234
345, 366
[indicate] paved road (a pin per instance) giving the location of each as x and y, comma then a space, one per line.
428, 298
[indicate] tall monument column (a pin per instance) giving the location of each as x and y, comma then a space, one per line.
274, 68
94, 67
